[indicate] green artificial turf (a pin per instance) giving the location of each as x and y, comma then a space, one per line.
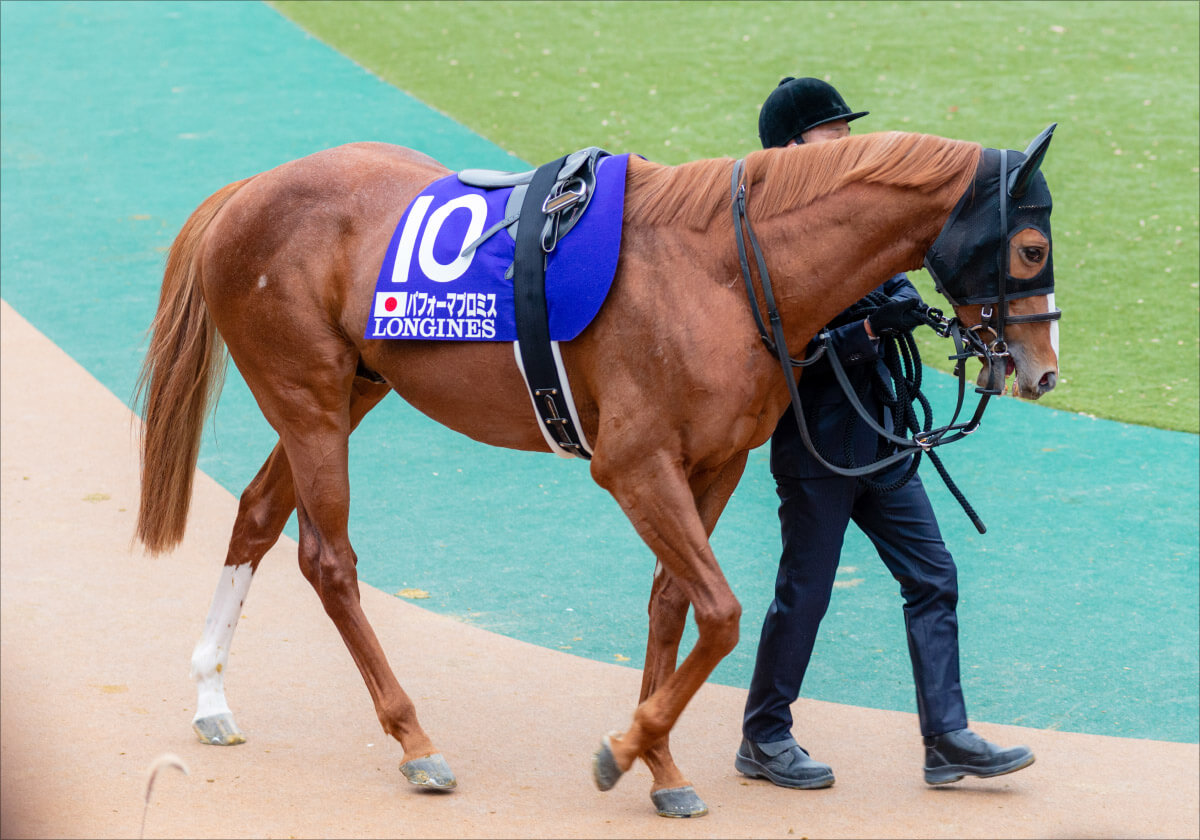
680, 81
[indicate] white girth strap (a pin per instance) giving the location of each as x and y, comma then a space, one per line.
570, 401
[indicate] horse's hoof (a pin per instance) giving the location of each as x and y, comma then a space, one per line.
219, 730
680, 802
431, 772
604, 766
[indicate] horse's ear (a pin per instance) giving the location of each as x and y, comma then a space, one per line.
1018, 182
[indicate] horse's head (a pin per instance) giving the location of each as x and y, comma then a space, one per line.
993, 261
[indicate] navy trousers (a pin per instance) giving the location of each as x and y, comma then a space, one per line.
814, 514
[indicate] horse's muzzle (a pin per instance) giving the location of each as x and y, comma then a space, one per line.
1025, 387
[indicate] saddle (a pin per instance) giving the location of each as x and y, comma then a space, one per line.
569, 196
552, 198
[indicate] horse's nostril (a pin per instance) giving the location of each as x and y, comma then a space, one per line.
1048, 381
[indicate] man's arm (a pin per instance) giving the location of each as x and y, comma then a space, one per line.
856, 343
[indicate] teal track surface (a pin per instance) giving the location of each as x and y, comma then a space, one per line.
1079, 608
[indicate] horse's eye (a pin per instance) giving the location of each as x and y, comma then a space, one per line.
1033, 255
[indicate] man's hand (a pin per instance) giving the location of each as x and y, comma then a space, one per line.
897, 316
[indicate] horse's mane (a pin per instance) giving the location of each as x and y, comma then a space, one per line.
785, 179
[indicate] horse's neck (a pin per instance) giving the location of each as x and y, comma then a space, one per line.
827, 256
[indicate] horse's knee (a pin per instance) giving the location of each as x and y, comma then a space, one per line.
309, 555
718, 625
655, 722
338, 572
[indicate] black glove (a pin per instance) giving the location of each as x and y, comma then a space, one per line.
898, 316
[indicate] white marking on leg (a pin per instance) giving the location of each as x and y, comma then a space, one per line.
212, 651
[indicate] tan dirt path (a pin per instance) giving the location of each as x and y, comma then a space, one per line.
96, 640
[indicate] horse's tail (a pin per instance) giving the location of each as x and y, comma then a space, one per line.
180, 378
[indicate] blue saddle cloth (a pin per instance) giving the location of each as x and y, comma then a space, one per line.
427, 289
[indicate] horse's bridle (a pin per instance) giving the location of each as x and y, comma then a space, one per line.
995, 320
968, 343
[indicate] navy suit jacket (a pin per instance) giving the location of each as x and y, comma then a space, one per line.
828, 411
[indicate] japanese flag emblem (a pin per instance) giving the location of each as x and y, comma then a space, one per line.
390, 304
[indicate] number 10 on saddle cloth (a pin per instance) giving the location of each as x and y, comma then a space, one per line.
428, 288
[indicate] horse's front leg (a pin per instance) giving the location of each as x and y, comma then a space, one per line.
265, 506
655, 494
672, 794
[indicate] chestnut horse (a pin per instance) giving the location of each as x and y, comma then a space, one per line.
672, 382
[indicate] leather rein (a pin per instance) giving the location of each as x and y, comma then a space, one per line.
968, 344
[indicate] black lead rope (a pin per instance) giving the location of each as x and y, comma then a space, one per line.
902, 358
967, 344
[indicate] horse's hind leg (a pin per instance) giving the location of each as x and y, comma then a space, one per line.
314, 430
265, 506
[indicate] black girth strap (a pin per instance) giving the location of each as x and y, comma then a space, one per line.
533, 322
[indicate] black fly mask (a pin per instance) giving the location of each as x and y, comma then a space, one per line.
969, 259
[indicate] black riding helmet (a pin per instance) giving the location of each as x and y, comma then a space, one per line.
797, 105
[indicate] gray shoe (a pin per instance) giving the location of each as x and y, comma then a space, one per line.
784, 763
950, 756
